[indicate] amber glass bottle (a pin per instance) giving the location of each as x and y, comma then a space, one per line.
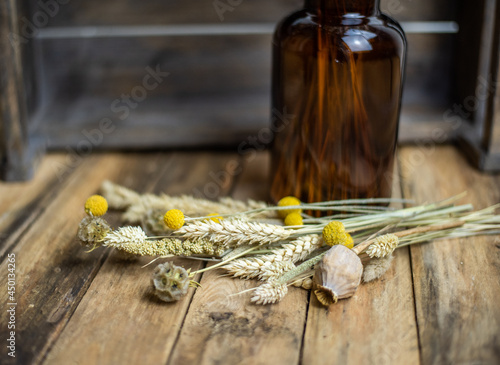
337, 74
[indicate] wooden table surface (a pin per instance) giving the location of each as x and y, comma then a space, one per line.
438, 304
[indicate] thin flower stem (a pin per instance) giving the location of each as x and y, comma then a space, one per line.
362, 246
341, 205
307, 265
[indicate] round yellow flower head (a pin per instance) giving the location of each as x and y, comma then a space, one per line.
287, 202
96, 206
348, 241
334, 233
215, 217
293, 219
174, 219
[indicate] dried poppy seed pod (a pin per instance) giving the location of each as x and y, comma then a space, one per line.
171, 282
337, 275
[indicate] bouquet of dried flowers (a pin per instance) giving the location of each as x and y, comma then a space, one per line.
277, 245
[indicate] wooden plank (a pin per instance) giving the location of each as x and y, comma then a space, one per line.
110, 67
493, 124
425, 124
468, 50
222, 328
22, 203
375, 326
196, 68
17, 158
425, 10
193, 122
93, 12
52, 271
120, 301
205, 99
254, 178
456, 281
428, 73
480, 139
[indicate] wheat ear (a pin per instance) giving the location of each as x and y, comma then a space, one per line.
235, 233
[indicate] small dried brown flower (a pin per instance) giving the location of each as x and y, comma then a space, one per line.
92, 230
171, 282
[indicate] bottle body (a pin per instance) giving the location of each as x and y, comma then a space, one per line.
339, 76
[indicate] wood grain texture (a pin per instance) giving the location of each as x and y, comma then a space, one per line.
52, 271
86, 308
22, 203
93, 12
209, 66
425, 10
206, 99
120, 299
456, 281
197, 66
476, 94
16, 158
224, 328
494, 125
375, 326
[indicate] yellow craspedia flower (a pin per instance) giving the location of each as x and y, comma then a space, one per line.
334, 233
287, 202
96, 206
348, 241
215, 217
174, 219
293, 219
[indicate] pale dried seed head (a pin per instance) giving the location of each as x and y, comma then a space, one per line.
275, 269
139, 205
235, 233
118, 197
375, 268
269, 293
124, 236
294, 251
383, 245
306, 283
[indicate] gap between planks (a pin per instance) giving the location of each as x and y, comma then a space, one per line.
364, 329
224, 328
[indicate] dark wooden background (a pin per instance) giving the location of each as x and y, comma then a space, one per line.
89, 53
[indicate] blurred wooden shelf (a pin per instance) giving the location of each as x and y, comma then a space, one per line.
62, 77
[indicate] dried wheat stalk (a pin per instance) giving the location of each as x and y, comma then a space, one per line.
235, 233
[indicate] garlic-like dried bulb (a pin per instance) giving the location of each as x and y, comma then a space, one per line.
337, 275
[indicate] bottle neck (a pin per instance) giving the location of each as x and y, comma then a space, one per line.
339, 8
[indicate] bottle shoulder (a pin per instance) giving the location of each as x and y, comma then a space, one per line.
305, 23
302, 28
300, 22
